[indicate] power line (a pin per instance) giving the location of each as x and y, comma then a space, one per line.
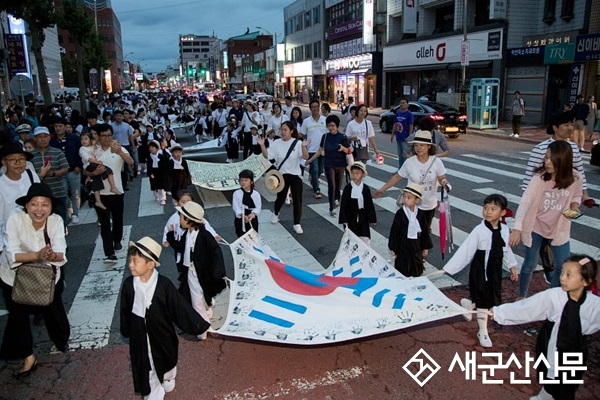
158, 7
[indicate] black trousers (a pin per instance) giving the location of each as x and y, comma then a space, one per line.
127, 170
238, 222
110, 235
17, 342
247, 143
293, 182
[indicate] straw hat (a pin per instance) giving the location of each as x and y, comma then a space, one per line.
155, 143
422, 137
414, 188
274, 180
176, 146
192, 211
360, 165
149, 248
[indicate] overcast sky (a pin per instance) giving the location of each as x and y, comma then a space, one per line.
151, 28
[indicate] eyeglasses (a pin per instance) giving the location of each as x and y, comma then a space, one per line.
19, 160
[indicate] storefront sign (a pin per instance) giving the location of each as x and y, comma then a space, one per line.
351, 27
409, 16
483, 46
349, 48
298, 69
498, 9
16, 53
526, 51
368, 22
559, 53
587, 47
575, 82
550, 38
345, 65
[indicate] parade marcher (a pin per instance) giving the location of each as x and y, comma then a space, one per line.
158, 168
580, 112
202, 263
362, 134
219, 120
113, 156
486, 251
123, 134
402, 129
150, 307
265, 113
571, 314
423, 168
437, 137
538, 219
409, 239
51, 166
230, 140
287, 106
287, 154
179, 172
275, 121
246, 204
357, 210
33, 234
313, 129
251, 118
333, 148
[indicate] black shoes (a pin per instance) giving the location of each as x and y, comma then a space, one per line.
112, 259
24, 374
118, 246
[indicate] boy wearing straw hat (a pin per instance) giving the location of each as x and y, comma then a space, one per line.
150, 305
409, 239
357, 210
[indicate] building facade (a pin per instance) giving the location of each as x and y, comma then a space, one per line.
197, 57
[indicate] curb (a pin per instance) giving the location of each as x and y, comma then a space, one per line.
501, 136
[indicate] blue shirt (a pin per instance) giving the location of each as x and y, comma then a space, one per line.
331, 144
69, 144
406, 119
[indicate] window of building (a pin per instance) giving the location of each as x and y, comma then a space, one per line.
204, 44
187, 50
444, 19
289, 26
307, 20
308, 50
344, 11
298, 19
317, 49
549, 11
316, 15
567, 10
205, 50
482, 13
60, 39
195, 43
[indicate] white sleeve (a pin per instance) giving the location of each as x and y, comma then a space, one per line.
464, 254
236, 203
371, 132
534, 308
257, 202
173, 220
209, 228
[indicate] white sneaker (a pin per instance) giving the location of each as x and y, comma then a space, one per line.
484, 339
468, 304
516, 136
337, 203
74, 219
275, 219
168, 385
332, 213
204, 336
298, 229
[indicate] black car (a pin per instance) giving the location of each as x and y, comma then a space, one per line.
595, 154
448, 119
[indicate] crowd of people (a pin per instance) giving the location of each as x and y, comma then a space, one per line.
41, 188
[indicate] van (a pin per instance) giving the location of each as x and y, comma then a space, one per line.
67, 91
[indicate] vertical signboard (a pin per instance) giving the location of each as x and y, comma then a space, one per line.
409, 16
498, 9
16, 53
575, 82
368, 22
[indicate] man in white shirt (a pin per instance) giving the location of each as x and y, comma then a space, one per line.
114, 156
287, 106
313, 128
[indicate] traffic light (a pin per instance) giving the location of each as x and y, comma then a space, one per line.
190, 71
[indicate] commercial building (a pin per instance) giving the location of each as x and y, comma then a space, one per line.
197, 56
236, 49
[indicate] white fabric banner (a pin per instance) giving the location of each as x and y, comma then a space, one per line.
223, 177
211, 144
359, 295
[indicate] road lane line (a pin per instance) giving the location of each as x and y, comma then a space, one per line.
148, 204
451, 172
93, 308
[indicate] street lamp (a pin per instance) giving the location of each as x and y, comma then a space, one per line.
275, 55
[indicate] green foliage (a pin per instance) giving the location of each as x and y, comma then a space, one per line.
39, 11
95, 57
69, 67
76, 21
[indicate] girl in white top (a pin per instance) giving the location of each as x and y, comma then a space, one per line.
360, 131
265, 114
275, 121
424, 168
89, 156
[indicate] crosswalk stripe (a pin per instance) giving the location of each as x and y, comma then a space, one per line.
590, 186
479, 167
284, 243
92, 311
87, 215
148, 205
379, 244
451, 172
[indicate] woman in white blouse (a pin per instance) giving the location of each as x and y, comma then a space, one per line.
360, 131
24, 242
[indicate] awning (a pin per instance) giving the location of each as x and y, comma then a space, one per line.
360, 71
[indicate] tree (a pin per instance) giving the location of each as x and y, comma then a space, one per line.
38, 14
95, 57
74, 19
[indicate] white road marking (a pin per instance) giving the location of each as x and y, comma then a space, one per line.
451, 172
148, 205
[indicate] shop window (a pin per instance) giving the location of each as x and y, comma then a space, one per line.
444, 19
549, 11
567, 10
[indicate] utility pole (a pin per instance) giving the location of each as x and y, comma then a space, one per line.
464, 47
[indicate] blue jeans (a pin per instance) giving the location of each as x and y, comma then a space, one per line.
560, 254
73, 185
403, 148
315, 169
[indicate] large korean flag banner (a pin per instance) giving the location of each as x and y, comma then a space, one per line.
359, 295
222, 177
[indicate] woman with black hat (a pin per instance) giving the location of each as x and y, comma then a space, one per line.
35, 235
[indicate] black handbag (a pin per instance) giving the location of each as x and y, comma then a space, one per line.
35, 281
360, 152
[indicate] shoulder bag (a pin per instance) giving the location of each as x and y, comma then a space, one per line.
288, 153
34, 281
400, 199
360, 152
349, 156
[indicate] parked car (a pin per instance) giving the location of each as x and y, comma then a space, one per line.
448, 119
595, 154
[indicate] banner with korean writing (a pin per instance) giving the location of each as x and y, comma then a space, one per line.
17, 62
222, 177
359, 295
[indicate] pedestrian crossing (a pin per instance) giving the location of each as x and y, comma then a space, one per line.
473, 176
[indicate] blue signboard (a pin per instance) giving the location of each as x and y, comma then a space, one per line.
526, 51
587, 47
